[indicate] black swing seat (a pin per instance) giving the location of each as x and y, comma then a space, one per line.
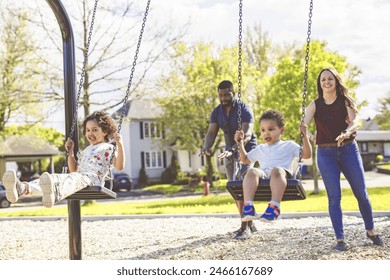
294, 190
93, 193
96, 192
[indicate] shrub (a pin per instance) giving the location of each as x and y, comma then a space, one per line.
143, 178
168, 176
172, 172
379, 158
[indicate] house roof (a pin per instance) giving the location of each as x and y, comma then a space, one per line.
371, 135
123, 111
140, 108
26, 146
369, 124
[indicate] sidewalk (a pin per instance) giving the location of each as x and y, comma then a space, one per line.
373, 179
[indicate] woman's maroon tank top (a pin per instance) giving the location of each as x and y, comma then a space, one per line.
330, 121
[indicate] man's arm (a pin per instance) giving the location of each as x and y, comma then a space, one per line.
210, 138
247, 129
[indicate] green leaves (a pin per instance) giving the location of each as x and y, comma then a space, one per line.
285, 88
273, 78
384, 116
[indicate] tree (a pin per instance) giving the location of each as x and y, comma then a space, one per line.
383, 117
112, 48
286, 86
20, 72
50, 135
261, 54
191, 92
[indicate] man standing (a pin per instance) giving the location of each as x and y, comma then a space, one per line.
226, 116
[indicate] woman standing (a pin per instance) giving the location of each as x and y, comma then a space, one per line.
335, 116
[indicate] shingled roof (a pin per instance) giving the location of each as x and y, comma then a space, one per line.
373, 136
22, 146
139, 108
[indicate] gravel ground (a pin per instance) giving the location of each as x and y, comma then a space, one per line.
191, 238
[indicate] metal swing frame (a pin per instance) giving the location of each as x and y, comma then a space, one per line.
294, 189
101, 192
71, 106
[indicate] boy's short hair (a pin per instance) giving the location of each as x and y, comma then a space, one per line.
274, 115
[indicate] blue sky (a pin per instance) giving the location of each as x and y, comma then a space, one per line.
356, 29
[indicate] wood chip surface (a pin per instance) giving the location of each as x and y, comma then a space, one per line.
191, 238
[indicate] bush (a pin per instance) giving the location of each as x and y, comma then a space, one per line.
168, 176
172, 172
379, 158
143, 178
184, 181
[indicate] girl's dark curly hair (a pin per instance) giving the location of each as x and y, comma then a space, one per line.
104, 121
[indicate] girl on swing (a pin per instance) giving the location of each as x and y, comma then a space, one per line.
90, 168
275, 157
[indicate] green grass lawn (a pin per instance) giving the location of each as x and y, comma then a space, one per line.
385, 166
223, 203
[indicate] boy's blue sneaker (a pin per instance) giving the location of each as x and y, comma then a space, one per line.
248, 213
271, 214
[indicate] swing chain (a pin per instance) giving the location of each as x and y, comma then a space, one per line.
304, 93
239, 63
81, 82
74, 119
124, 101
236, 155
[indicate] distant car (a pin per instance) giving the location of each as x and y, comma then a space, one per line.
120, 181
28, 176
4, 203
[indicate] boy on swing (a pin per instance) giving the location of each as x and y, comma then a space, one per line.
275, 157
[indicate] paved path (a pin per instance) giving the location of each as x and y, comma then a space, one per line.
373, 179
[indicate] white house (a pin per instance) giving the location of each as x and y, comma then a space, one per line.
143, 145
372, 142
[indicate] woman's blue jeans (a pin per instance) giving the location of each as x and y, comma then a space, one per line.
346, 159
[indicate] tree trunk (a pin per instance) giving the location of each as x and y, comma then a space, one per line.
209, 170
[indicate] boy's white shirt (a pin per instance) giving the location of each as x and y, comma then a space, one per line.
279, 154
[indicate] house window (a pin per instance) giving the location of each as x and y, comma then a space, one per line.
146, 130
364, 147
153, 160
152, 130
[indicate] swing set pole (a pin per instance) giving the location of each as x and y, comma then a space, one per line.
74, 216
